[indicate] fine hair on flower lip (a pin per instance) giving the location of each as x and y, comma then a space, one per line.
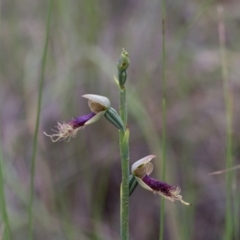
67, 130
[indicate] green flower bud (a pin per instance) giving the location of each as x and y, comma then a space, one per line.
124, 61
122, 65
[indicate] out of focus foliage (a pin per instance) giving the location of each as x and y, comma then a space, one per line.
77, 183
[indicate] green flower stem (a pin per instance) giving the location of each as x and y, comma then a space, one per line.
35, 140
124, 147
124, 153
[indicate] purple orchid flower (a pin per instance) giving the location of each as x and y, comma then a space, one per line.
98, 105
143, 168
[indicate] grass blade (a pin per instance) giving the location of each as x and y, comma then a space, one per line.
39, 104
163, 175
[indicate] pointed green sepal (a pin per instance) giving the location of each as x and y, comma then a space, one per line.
113, 117
132, 183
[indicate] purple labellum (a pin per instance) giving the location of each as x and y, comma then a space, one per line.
161, 187
69, 129
80, 121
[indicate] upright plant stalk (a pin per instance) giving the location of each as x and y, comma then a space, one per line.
7, 230
3, 207
124, 147
228, 103
39, 104
163, 165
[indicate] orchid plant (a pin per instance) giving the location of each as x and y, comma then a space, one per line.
140, 171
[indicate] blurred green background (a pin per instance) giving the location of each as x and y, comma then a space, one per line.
77, 183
